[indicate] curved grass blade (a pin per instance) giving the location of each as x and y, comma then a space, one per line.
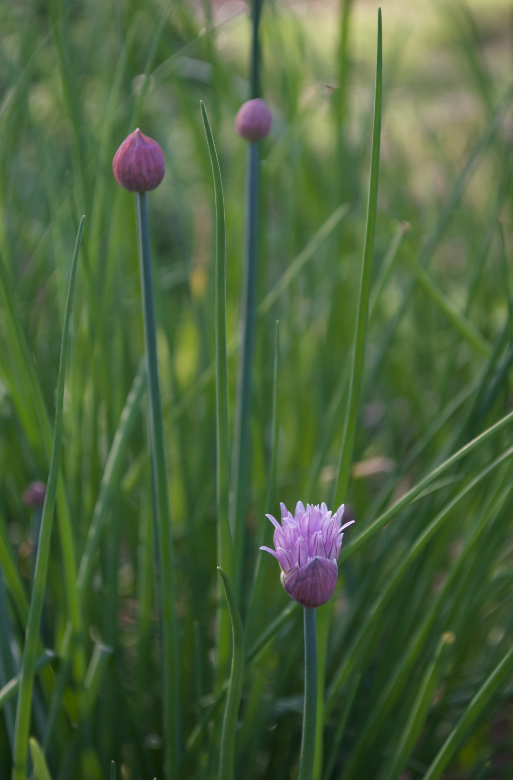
26, 362
24, 707
374, 527
346, 454
227, 752
420, 708
224, 537
398, 680
111, 475
11, 688
38, 759
470, 715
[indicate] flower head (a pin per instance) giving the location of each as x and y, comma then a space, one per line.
307, 547
138, 164
34, 495
253, 120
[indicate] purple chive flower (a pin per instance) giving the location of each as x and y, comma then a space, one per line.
34, 495
307, 547
253, 120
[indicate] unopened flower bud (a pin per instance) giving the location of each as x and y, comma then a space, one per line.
253, 120
138, 164
34, 495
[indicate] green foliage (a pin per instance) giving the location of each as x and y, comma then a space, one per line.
430, 552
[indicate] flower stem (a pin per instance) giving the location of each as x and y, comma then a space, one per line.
242, 445
170, 666
306, 762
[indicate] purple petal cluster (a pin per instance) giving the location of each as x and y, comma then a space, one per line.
307, 547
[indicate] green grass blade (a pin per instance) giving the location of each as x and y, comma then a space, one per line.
227, 751
399, 572
470, 715
346, 455
419, 711
374, 527
224, 537
11, 688
24, 706
25, 359
302, 259
38, 759
469, 332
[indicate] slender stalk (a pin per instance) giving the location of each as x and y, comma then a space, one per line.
224, 538
242, 444
255, 49
24, 708
170, 664
341, 483
227, 752
306, 762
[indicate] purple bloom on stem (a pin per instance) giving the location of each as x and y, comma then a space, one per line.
34, 495
307, 547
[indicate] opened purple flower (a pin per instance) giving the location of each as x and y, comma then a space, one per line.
307, 547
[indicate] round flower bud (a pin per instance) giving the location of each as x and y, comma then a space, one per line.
34, 495
138, 164
253, 120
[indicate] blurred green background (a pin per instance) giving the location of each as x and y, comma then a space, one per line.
75, 79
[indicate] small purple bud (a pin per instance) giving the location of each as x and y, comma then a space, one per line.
138, 164
34, 495
253, 120
307, 547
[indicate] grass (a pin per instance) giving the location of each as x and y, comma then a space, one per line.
431, 550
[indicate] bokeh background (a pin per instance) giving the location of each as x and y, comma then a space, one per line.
75, 79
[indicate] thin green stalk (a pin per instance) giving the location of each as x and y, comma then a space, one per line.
254, 600
324, 621
24, 706
306, 762
255, 49
342, 480
8, 666
227, 751
242, 434
169, 628
242, 437
224, 537
470, 715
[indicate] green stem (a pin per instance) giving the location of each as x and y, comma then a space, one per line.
24, 708
306, 763
224, 538
341, 484
170, 666
242, 444
227, 752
